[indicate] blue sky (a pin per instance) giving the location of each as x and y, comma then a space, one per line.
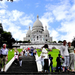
57, 15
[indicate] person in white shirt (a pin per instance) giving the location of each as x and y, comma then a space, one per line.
65, 54
4, 56
45, 57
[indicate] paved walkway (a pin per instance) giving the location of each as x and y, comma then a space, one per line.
29, 65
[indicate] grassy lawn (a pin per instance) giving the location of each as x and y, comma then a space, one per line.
54, 53
11, 53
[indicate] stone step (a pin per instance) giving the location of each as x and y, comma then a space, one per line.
38, 73
28, 65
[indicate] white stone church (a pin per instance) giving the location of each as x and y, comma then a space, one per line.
38, 34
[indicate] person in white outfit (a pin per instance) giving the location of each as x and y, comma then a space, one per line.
44, 54
41, 61
65, 54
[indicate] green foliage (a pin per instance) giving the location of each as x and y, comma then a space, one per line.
6, 37
1, 28
60, 41
73, 43
54, 42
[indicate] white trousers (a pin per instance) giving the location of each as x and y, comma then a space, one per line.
20, 62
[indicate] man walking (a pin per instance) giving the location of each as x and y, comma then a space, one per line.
71, 56
65, 54
4, 57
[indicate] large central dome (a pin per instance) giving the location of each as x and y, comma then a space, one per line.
37, 22
37, 25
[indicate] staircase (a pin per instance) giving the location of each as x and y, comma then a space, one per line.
28, 68
28, 65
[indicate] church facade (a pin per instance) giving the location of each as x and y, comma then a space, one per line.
38, 34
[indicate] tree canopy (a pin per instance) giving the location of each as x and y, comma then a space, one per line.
6, 37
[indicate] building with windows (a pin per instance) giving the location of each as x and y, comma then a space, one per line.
38, 34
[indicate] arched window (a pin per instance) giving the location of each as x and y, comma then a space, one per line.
46, 39
34, 36
37, 37
28, 35
28, 40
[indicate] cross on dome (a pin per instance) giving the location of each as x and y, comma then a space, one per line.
29, 27
37, 16
45, 27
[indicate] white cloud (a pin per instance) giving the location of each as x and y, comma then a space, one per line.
17, 32
37, 4
54, 34
3, 4
46, 19
26, 20
13, 20
16, 0
64, 12
69, 28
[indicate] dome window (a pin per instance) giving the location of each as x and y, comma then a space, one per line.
33, 36
46, 35
46, 39
37, 37
40, 36
28, 40
28, 35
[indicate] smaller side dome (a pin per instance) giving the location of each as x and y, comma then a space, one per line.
29, 31
46, 32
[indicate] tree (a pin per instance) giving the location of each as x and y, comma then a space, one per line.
60, 41
54, 41
20, 41
6, 37
1, 28
13, 40
73, 42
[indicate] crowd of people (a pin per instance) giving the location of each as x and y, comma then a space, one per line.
65, 59
25, 52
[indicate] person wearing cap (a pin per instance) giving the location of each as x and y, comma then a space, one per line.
65, 55
4, 56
